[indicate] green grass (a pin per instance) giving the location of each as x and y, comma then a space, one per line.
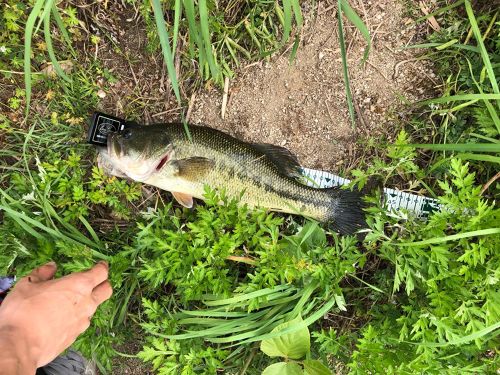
205, 286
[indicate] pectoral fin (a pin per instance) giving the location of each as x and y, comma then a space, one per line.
184, 199
194, 168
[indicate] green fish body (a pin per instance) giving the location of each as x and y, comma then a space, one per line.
260, 175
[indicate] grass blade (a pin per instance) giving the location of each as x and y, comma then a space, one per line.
177, 18
459, 147
440, 10
60, 25
207, 41
480, 157
287, 20
297, 12
493, 113
489, 139
459, 236
466, 339
451, 98
305, 323
345, 70
28, 221
28, 35
90, 229
194, 33
438, 45
50, 49
482, 48
165, 47
360, 25
246, 296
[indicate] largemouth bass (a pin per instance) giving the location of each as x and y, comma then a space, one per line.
262, 175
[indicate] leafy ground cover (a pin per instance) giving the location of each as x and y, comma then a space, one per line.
227, 289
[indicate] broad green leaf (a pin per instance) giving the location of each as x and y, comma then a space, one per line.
293, 345
283, 368
315, 367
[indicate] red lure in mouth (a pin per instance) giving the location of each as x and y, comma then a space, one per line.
163, 161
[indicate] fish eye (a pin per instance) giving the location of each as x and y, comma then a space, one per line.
127, 133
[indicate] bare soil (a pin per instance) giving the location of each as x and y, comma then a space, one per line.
300, 105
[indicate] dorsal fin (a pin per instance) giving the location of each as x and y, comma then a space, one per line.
286, 162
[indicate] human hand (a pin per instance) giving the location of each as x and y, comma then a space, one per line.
43, 316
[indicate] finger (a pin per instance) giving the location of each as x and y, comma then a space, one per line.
102, 292
43, 273
86, 281
98, 274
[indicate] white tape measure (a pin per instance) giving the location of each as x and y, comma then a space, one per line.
394, 199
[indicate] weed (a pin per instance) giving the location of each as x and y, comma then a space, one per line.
206, 286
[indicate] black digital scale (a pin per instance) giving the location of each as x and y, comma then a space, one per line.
103, 124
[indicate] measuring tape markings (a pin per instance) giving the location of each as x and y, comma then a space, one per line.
394, 199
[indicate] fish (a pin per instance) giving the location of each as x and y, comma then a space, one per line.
259, 175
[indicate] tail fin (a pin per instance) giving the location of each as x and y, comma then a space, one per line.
346, 211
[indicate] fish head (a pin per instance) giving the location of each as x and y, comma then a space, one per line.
139, 152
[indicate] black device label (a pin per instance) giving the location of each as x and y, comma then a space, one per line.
103, 124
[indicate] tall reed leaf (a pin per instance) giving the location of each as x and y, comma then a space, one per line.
207, 40
459, 147
453, 237
50, 49
287, 20
177, 18
28, 35
345, 70
298, 12
360, 25
165, 47
352, 16
482, 48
